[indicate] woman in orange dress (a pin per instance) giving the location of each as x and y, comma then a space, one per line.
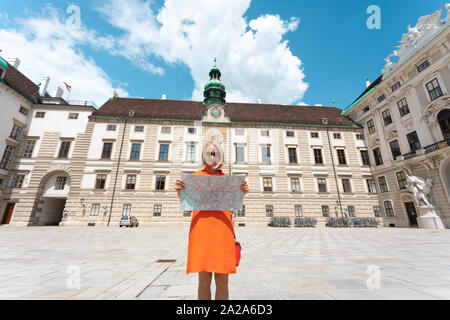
211, 235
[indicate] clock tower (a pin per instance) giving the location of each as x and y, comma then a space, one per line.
214, 91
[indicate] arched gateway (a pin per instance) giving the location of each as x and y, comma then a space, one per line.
51, 199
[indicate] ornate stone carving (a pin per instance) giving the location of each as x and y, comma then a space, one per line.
415, 37
420, 188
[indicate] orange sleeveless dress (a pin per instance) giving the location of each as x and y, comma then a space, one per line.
211, 240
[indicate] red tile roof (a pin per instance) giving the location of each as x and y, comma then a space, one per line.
238, 112
20, 83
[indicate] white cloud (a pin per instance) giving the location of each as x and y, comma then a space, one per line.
254, 59
47, 46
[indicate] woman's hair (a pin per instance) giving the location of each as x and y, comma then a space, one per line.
220, 160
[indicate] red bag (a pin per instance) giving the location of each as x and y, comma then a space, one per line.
238, 252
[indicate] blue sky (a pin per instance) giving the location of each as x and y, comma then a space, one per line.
148, 48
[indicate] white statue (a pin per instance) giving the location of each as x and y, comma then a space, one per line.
420, 188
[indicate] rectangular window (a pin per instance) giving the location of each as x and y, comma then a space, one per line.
163, 152
39, 114
130, 182
377, 156
292, 155
267, 183
401, 178
403, 107
157, 210
64, 149
434, 89
190, 152
377, 211
2, 183
423, 66
187, 213
7, 157
381, 98
371, 185
111, 127
396, 86
160, 182
165, 130
387, 117
107, 148
29, 147
395, 149
16, 132
341, 156
325, 211
383, 184
18, 180
351, 211
360, 136
239, 132
73, 115
23, 110
100, 182
135, 151
138, 128
239, 154
126, 211
388, 209
290, 134
264, 133
269, 210
191, 130
60, 183
95, 209
265, 154
298, 210
314, 134
295, 184
322, 183
241, 213
337, 136
318, 156
346, 185
413, 141
365, 157
371, 126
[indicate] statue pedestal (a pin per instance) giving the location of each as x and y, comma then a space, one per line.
428, 218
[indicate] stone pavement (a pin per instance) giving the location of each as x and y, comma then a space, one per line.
277, 263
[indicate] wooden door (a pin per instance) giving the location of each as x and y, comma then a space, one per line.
412, 214
8, 213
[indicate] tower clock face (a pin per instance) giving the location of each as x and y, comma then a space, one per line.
216, 112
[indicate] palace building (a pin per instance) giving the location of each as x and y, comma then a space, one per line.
75, 165
406, 118
72, 164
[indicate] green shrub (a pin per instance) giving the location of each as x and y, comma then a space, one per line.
338, 223
280, 222
305, 222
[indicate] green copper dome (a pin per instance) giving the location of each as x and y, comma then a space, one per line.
3, 63
214, 91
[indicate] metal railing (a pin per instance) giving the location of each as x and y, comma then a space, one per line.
410, 155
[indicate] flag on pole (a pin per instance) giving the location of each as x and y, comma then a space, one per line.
67, 86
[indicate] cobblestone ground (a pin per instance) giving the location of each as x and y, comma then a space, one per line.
277, 263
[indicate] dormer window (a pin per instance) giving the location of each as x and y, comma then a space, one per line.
1, 73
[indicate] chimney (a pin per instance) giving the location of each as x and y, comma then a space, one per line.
15, 62
44, 85
113, 93
58, 92
367, 83
259, 101
164, 97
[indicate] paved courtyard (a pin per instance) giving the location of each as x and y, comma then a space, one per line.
277, 263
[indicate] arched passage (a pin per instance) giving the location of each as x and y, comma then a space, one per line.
51, 198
